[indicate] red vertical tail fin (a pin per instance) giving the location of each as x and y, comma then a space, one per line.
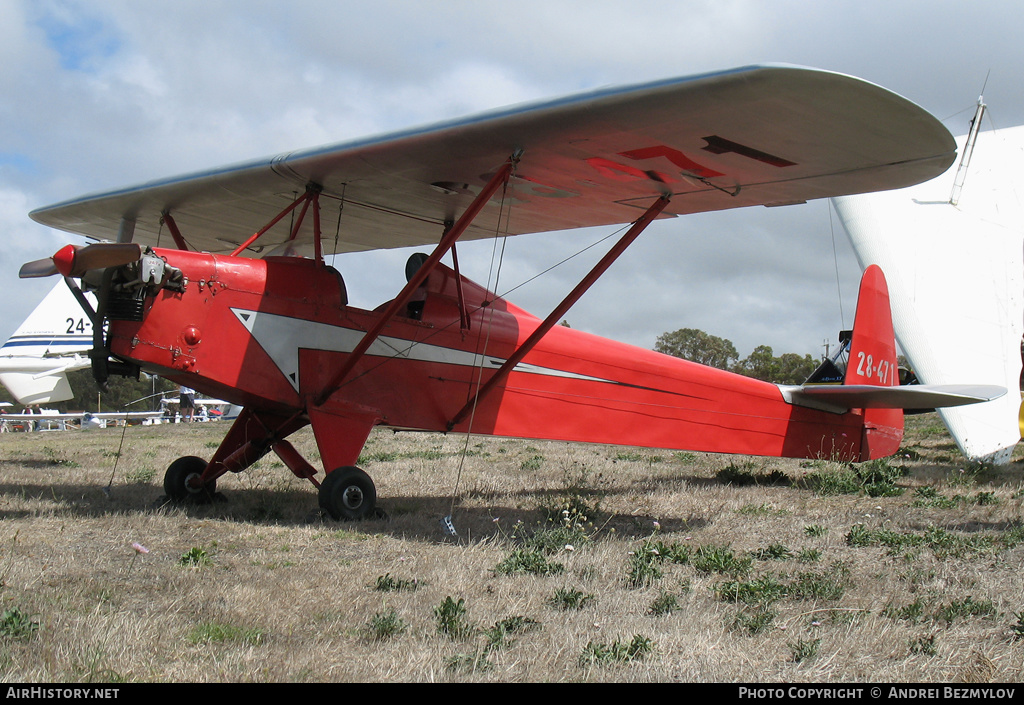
873, 362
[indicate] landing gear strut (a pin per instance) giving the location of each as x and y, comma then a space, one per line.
348, 493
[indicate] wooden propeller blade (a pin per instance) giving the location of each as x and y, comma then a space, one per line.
75, 261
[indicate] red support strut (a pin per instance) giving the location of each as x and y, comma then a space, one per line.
555, 316
179, 241
446, 243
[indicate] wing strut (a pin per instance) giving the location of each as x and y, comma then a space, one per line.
463, 312
556, 315
167, 220
399, 302
312, 193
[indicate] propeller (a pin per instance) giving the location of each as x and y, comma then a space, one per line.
74, 260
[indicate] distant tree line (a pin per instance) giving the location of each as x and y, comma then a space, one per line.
697, 346
122, 393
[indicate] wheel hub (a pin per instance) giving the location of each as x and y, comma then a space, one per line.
352, 497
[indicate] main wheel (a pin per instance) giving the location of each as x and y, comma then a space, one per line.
181, 481
348, 493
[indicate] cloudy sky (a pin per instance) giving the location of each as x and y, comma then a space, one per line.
109, 93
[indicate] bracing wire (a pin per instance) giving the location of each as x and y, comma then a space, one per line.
484, 336
341, 211
124, 429
835, 260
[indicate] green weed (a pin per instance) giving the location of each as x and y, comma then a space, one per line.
534, 462
451, 618
761, 510
754, 621
773, 552
600, 654
16, 624
566, 599
528, 561
804, 649
644, 563
720, 559
499, 635
386, 625
496, 637
665, 603
758, 591
387, 583
967, 607
924, 645
195, 557
214, 632
746, 475
142, 476
829, 584
913, 612
1017, 629
809, 555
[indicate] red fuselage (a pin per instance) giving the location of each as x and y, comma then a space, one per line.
270, 334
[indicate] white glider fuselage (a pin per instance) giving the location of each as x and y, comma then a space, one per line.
956, 280
55, 339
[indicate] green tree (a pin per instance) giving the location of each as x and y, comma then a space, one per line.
794, 369
760, 364
788, 368
121, 392
698, 346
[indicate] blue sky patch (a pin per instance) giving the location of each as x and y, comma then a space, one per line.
80, 38
20, 162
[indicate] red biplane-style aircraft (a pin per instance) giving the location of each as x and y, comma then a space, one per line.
277, 336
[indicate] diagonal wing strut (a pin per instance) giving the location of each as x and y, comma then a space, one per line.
446, 243
516, 357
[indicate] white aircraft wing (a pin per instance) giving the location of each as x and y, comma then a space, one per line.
765, 135
956, 281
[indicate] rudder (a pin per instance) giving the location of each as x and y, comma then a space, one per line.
873, 362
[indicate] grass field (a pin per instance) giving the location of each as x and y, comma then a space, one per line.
571, 563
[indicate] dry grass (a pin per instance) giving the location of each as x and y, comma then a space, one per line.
839, 587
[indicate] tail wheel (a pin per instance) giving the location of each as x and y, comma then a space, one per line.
348, 494
181, 481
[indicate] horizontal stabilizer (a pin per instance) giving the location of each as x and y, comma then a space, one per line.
34, 388
842, 398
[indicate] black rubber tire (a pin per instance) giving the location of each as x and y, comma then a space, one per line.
176, 481
348, 494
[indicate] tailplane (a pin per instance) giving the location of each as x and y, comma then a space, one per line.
871, 382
